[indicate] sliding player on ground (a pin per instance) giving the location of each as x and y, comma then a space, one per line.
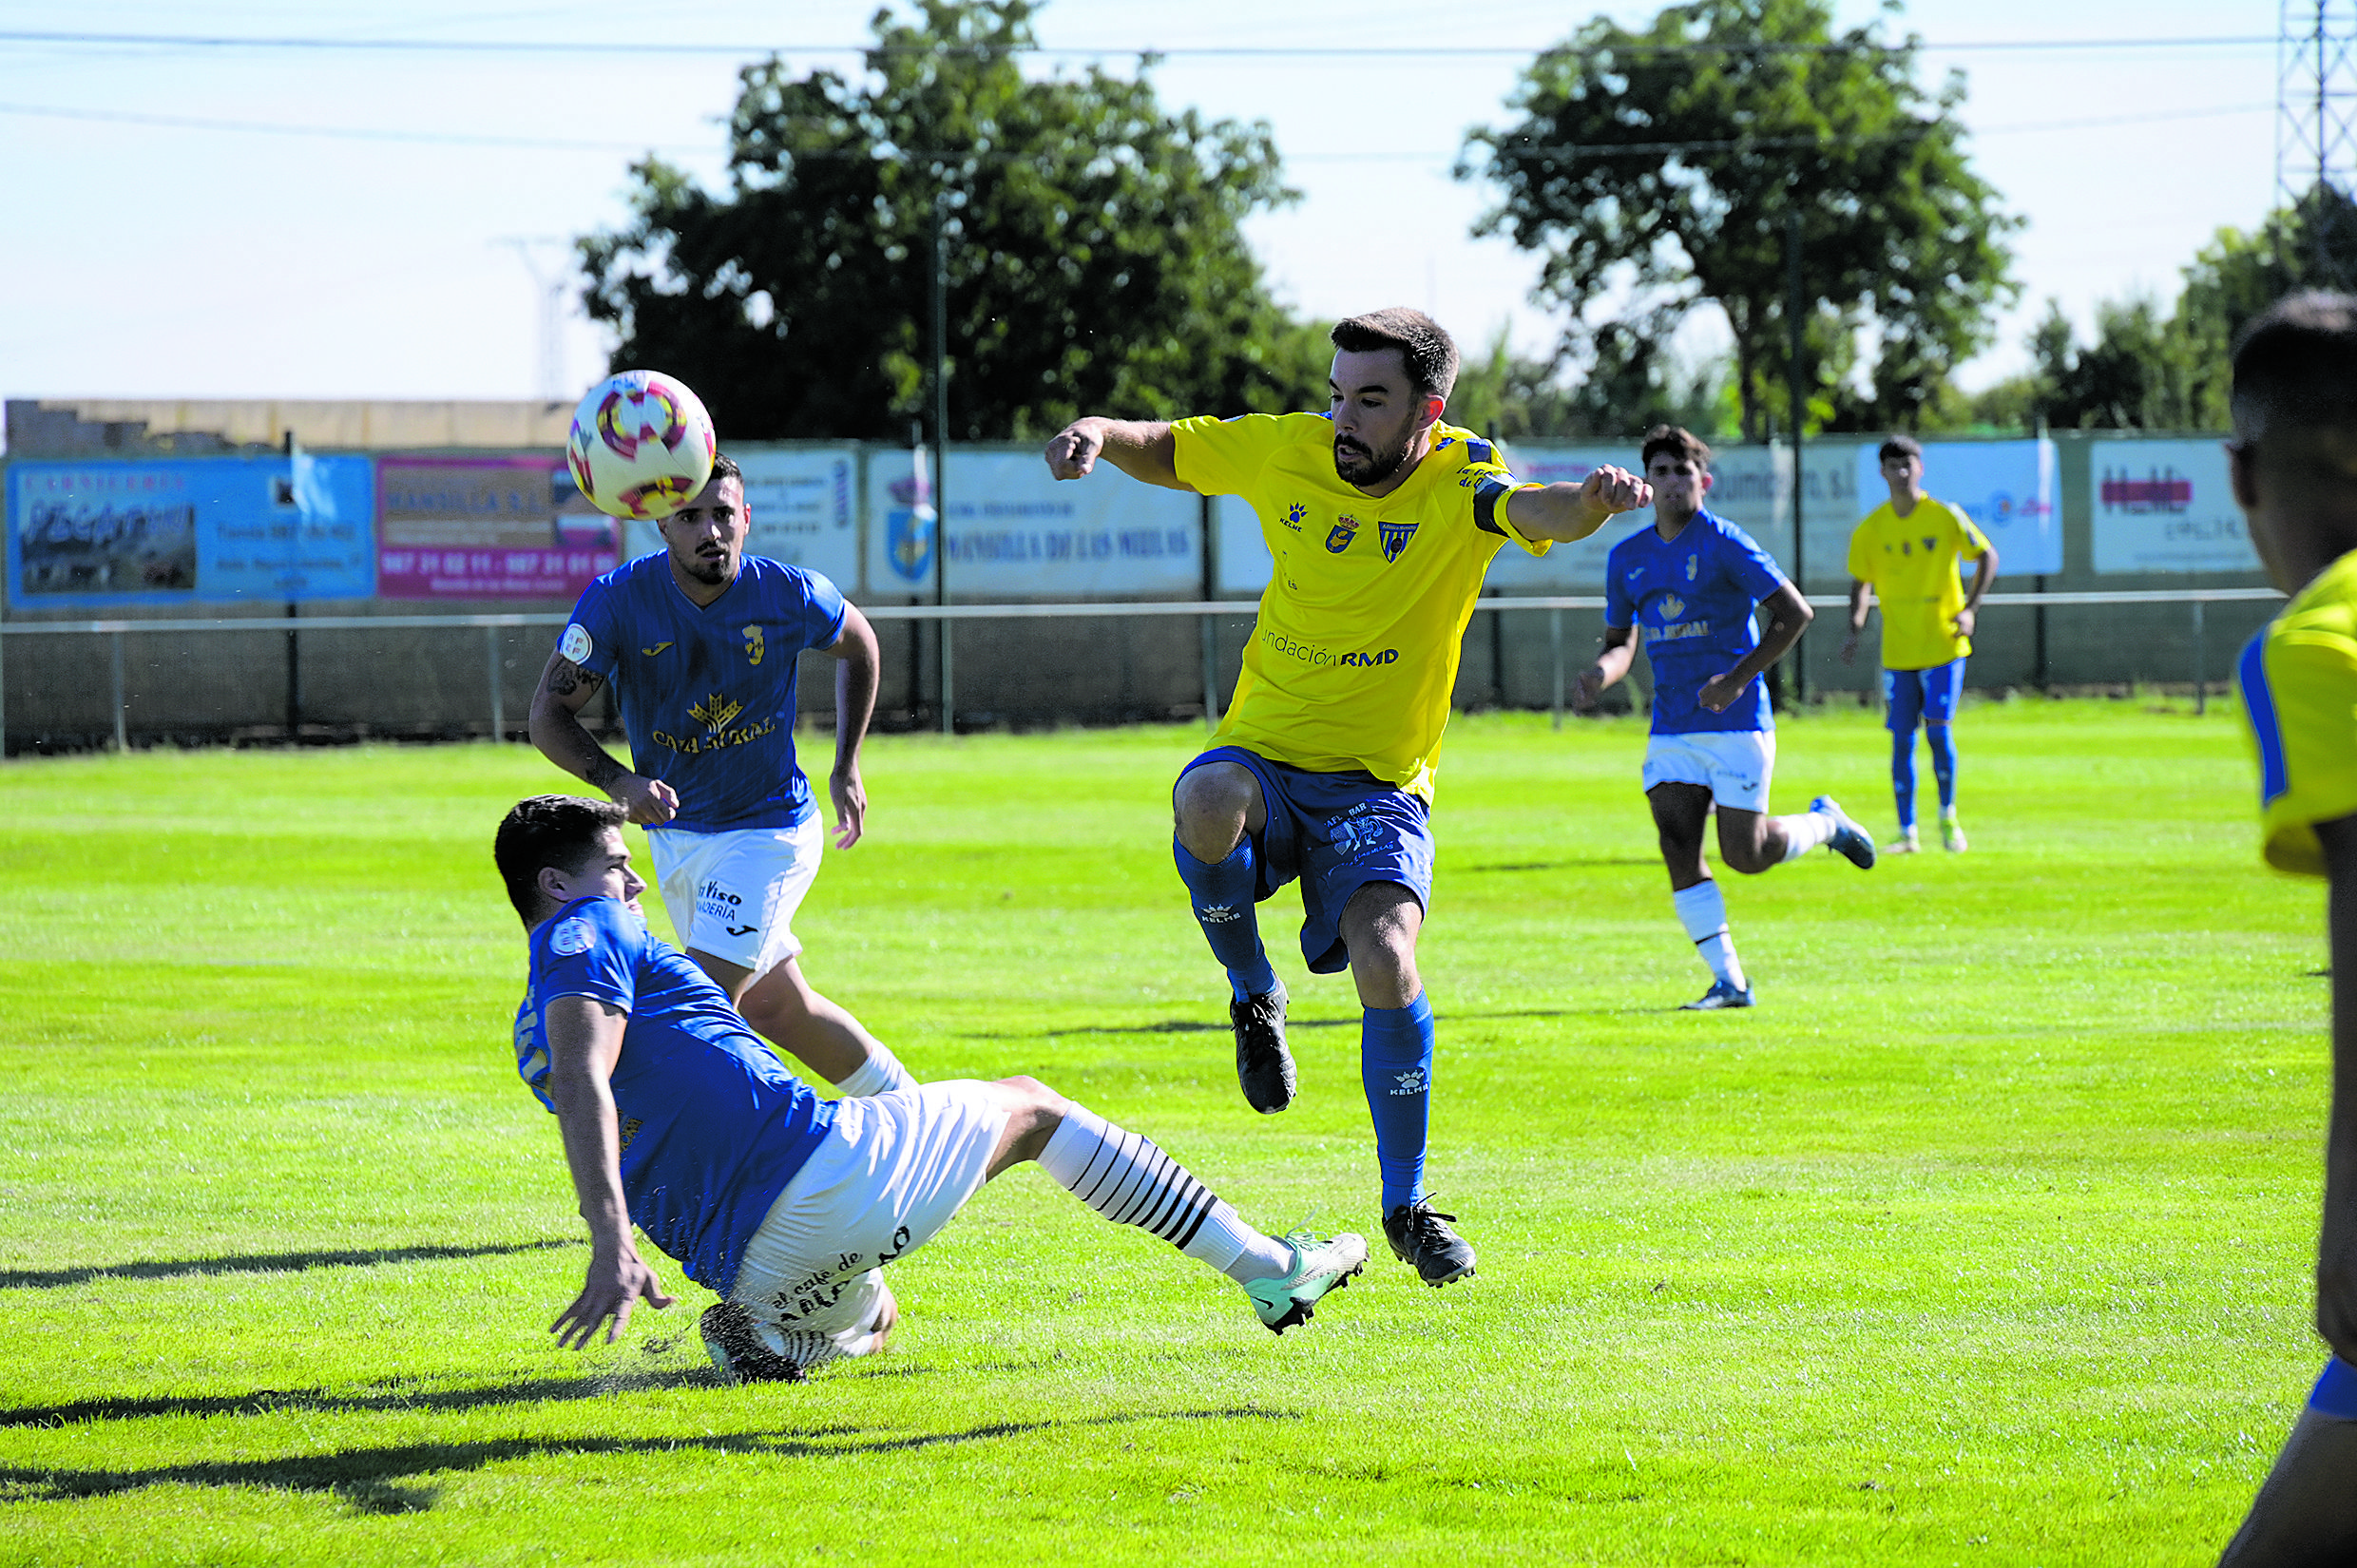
676, 1118
1904, 554
1381, 521
702, 643
1685, 588
2294, 465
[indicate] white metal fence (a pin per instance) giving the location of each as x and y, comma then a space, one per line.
2196, 600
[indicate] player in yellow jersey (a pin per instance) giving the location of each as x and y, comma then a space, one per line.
1381, 521
2294, 466
1904, 553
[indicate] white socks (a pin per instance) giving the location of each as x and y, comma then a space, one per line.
1703, 912
1124, 1178
1806, 832
879, 1074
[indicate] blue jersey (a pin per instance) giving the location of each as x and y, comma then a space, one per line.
1690, 599
707, 693
713, 1127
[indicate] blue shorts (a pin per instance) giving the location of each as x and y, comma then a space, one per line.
1929, 694
1336, 832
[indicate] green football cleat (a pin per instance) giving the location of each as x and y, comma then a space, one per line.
1284, 1300
1952, 836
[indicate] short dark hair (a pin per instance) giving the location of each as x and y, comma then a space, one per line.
1678, 442
549, 829
2296, 365
1900, 445
724, 466
1429, 353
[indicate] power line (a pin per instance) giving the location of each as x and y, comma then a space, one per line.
644, 47
460, 139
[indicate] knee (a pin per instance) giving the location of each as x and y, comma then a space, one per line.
1208, 806
1034, 1112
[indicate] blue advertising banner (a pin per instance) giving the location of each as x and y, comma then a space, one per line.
183, 530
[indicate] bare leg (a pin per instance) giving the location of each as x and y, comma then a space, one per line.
781, 1005
2306, 1512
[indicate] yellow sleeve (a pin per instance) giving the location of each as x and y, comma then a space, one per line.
1223, 457
1493, 485
1971, 544
1861, 551
2302, 708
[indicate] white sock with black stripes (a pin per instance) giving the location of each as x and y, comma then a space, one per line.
1124, 1178
879, 1074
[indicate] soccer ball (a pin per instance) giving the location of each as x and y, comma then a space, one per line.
642, 445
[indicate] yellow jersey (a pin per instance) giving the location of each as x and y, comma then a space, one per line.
1354, 654
2299, 688
1911, 561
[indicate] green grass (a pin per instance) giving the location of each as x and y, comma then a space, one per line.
1985, 1239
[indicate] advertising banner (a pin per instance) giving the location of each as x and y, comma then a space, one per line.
2006, 486
801, 505
188, 530
506, 526
2165, 506
1014, 532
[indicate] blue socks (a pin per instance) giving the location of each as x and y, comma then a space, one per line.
1943, 763
1395, 1065
1902, 774
1222, 897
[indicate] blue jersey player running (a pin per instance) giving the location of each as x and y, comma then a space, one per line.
676, 1118
1685, 588
702, 643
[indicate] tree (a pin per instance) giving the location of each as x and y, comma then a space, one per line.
1094, 253
1656, 171
2146, 371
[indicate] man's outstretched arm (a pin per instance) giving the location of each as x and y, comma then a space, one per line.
1565, 511
585, 1042
1144, 450
855, 674
565, 689
1612, 662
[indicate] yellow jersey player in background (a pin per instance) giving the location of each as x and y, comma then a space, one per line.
1904, 554
2295, 463
1381, 521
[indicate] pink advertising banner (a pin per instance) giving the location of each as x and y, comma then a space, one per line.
504, 527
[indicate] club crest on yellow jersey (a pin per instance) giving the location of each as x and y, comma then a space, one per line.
1345, 529
1395, 538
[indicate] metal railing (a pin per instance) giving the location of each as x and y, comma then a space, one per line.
2196, 599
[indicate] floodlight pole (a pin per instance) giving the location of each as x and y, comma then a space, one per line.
1796, 392
941, 450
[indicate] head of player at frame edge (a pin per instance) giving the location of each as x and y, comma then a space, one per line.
1677, 466
706, 537
554, 848
2293, 458
1393, 371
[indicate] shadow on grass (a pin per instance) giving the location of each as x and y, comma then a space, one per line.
258, 1262
264, 1402
381, 1481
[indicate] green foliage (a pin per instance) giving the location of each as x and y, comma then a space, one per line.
1657, 173
1093, 250
1623, 394
1986, 1237
2150, 371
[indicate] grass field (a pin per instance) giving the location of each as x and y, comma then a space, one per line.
1985, 1239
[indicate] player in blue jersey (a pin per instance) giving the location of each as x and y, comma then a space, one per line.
2293, 462
1685, 588
676, 1118
702, 643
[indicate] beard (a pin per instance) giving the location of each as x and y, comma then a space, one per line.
1361, 465
705, 568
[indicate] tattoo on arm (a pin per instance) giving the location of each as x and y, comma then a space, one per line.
604, 770
568, 677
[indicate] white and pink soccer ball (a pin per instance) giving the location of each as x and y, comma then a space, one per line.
642, 445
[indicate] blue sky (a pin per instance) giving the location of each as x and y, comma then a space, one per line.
154, 252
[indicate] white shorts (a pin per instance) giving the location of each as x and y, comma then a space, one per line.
882, 1184
1735, 765
734, 894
